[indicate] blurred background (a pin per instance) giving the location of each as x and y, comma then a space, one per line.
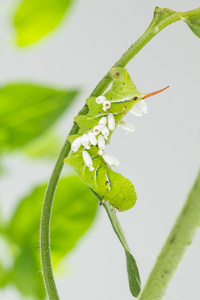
52, 55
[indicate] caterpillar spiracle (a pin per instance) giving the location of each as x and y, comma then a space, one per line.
88, 156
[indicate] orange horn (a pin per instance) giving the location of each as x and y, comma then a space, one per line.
156, 92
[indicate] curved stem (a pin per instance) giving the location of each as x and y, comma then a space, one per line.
151, 31
45, 226
46, 219
176, 245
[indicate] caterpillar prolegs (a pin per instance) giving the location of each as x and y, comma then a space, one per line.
88, 156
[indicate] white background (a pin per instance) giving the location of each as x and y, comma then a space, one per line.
161, 158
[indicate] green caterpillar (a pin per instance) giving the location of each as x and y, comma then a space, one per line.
88, 156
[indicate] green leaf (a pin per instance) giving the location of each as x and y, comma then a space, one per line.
133, 274
73, 213
194, 24
27, 111
160, 14
35, 18
47, 145
165, 15
4, 276
26, 274
132, 269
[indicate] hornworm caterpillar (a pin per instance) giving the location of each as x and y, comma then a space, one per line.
88, 156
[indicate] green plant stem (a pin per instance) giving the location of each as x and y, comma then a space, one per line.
49, 196
176, 245
46, 220
151, 31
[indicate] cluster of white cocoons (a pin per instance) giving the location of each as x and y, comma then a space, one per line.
102, 100
137, 111
97, 136
142, 108
100, 133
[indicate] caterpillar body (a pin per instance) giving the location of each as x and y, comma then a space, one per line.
88, 156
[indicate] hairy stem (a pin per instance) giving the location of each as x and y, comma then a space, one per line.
46, 220
176, 245
49, 196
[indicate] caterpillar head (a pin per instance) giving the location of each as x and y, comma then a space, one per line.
120, 75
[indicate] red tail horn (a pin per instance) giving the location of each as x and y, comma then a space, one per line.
156, 92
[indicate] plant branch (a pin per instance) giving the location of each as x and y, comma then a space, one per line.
46, 220
176, 245
153, 29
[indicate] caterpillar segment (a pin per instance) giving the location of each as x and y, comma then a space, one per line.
88, 156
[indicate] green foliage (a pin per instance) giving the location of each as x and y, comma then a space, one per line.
4, 276
163, 15
26, 274
160, 14
73, 213
194, 24
35, 18
27, 111
46, 145
132, 269
133, 274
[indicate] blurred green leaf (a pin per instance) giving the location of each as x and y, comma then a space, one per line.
1, 172
73, 213
35, 18
4, 276
27, 111
194, 24
74, 210
26, 274
46, 145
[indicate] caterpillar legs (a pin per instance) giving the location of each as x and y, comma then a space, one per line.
102, 202
114, 209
